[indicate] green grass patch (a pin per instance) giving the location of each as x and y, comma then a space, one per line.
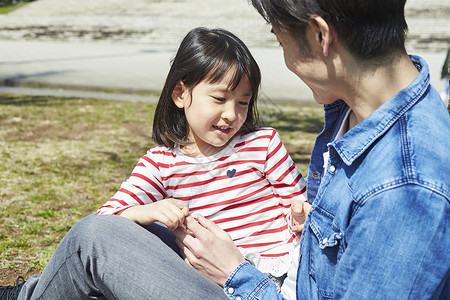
64, 157
7, 9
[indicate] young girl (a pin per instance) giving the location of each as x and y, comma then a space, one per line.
213, 159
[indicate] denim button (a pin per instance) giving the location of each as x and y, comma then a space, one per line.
332, 168
315, 174
238, 298
230, 290
325, 240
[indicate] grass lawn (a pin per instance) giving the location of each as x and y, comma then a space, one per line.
61, 158
9, 8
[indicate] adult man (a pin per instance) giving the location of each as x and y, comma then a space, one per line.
379, 182
379, 179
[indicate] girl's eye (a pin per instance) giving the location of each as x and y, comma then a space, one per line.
221, 99
244, 103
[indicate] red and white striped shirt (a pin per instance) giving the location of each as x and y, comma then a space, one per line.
246, 189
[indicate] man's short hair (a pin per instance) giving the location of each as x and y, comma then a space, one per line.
368, 28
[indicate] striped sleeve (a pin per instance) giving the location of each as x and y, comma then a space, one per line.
287, 182
144, 185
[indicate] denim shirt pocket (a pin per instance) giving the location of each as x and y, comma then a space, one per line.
325, 251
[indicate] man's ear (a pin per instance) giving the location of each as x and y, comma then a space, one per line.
178, 94
322, 32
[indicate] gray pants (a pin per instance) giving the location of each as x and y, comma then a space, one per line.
111, 257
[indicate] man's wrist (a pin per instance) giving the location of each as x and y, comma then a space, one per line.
246, 282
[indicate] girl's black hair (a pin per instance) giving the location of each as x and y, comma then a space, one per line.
204, 54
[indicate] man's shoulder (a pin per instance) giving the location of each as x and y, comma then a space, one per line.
413, 151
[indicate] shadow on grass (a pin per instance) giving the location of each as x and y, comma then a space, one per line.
30, 100
300, 161
283, 121
309, 125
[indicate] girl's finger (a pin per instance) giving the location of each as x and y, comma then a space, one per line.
180, 203
298, 228
169, 219
174, 217
297, 207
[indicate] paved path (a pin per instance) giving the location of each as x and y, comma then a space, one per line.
126, 45
121, 67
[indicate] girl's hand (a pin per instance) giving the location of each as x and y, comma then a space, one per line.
209, 249
300, 210
164, 211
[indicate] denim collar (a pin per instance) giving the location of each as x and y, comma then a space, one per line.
350, 146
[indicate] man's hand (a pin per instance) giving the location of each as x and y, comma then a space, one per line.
300, 210
209, 249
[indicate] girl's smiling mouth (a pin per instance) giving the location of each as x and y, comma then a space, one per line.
223, 129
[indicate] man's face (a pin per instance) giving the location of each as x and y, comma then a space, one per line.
309, 67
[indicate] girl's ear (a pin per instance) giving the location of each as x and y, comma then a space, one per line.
178, 94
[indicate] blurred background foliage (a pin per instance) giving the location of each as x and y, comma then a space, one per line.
13, 2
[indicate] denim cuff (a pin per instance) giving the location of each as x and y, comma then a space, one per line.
246, 282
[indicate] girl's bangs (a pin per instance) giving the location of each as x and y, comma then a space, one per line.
222, 66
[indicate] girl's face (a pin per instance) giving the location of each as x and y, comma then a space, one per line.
213, 112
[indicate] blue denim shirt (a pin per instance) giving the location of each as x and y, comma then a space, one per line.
379, 227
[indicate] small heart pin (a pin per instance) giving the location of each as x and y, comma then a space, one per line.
231, 173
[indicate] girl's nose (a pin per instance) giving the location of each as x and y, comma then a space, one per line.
229, 112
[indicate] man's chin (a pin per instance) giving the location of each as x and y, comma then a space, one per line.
321, 100
318, 99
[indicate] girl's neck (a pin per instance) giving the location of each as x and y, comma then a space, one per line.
192, 150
